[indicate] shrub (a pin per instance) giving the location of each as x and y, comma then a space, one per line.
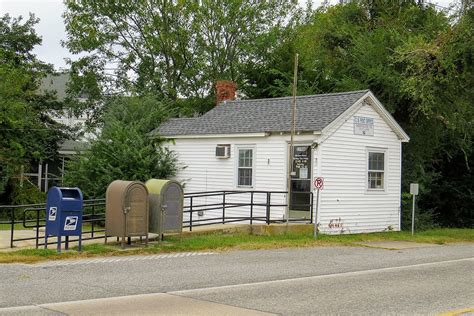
123, 149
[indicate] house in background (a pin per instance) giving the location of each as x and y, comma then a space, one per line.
347, 138
51, 172
57, 83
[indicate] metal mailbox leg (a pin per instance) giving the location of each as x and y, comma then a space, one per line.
59, 244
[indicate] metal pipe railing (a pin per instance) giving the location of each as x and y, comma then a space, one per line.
34, 215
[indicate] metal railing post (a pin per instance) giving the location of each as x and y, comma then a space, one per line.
251, 208
93, 221
37, 227
268, 207
191, 214
12, 226
223, 207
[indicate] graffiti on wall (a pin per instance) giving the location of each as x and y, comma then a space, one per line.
336, 223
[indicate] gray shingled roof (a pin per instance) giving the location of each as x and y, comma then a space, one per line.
314, 112
72, 146
55, 83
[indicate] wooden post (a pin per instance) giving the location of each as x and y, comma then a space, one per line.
62, 172
46, 178
40, 174
22, 171
293, 128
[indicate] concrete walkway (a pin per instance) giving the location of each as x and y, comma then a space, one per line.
5, 236
395, 245
147, 304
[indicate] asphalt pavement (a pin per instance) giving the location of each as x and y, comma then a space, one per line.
301, 281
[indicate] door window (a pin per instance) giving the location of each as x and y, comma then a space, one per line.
300, 186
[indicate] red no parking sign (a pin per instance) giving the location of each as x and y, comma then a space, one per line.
319, 183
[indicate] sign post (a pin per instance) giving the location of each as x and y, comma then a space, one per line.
414, 191
318, 185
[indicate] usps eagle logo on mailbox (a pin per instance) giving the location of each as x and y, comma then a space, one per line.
52, 213
70, 223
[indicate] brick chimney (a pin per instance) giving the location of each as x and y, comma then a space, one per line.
225, 90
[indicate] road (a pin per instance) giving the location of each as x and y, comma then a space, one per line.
320, 281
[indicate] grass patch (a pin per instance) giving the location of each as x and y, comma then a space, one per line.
225, 242
434, 236
18, 226
30, 256
240, 241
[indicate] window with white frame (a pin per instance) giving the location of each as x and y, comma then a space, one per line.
376, 170
245, 170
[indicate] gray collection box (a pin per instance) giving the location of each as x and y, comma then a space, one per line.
166, 206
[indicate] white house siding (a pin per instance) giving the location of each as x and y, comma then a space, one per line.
345, 199
202, 171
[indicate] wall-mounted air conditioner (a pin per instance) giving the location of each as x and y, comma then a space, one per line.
223, 151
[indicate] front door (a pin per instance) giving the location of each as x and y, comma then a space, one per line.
300, 184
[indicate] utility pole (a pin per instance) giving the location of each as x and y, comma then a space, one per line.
293, 128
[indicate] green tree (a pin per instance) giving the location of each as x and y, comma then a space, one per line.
172, 48
439, 77
419, 64
27, 133
123, 149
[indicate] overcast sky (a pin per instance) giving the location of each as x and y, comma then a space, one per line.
51, 26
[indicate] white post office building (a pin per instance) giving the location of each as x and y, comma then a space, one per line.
349, 139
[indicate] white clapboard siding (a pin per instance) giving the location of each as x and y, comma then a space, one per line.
201, 171
346, 203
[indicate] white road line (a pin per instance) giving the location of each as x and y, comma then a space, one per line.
315, 277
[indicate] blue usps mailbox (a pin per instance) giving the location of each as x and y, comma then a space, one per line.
64, 214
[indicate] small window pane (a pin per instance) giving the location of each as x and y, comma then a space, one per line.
376, 161
375, 180
245, 158
249, 158
241, 155
245, 177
